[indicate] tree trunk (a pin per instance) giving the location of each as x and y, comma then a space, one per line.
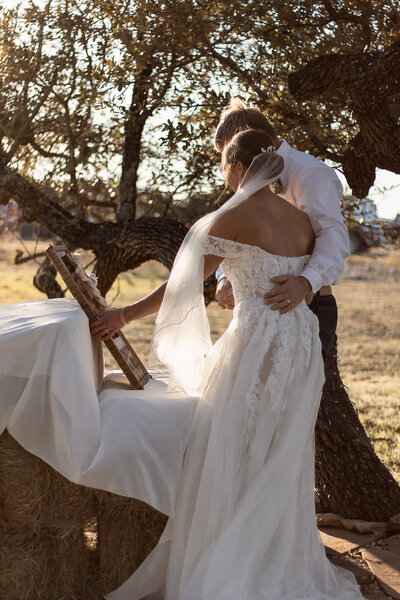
350, 479
135, 122
147, 238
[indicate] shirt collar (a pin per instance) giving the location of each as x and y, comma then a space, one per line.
283, 149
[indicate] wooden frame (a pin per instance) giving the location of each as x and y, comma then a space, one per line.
83, 288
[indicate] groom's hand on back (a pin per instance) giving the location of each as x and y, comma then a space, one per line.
224, 294
290, 288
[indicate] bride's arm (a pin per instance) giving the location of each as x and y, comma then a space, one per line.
211, 263
113, 320
151, 303
146, 306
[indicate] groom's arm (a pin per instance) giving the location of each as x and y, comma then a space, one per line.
219, 274
318, 192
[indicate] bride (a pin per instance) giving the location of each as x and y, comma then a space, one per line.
243, 527
227, 448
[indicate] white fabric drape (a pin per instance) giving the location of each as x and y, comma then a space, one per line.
130, 442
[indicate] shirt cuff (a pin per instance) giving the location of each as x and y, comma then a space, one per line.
313, 277
219, 274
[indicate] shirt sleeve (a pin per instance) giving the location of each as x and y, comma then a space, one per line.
219, 274
318, 192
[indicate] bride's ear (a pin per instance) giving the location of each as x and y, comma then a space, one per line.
241, 169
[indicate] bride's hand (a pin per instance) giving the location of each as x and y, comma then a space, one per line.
224, 295
108, 324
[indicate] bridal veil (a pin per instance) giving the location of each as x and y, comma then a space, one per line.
182, 323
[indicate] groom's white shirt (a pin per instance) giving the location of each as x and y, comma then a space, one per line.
315, 188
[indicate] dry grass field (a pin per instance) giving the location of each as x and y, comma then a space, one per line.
368, 296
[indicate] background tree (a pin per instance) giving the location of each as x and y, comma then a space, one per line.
81, 81
106, 115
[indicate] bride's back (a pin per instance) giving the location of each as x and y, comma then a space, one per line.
270, 222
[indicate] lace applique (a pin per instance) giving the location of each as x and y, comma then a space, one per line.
248, 315
306, 339
222, 247
281, 360
253, 400
281, 354
310, 330
250, 269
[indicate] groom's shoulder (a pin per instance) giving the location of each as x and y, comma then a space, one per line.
298, 161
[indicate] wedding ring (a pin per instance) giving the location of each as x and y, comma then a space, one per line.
288, 300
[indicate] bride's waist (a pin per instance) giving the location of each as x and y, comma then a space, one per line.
256, 303
253, 302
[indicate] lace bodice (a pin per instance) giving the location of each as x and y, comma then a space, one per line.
250, 268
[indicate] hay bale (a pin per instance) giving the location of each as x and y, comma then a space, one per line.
127, 531
34, 495
44, 551
19, 480
36, 566
61, 541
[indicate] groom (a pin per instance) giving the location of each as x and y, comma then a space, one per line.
312, 186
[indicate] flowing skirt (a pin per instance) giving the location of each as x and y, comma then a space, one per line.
96, 433
244, 525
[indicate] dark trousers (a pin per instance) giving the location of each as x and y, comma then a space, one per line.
325, 308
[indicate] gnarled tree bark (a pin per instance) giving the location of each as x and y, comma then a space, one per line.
118, 247
350, 479
369, 83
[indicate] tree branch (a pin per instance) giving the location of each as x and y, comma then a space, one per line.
37, 206
366, 83
349, 74
20, 258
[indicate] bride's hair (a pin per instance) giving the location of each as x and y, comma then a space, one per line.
246, 145
238, 117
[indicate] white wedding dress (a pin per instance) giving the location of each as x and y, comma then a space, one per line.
234, 469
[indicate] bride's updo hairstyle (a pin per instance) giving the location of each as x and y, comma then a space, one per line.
245, 146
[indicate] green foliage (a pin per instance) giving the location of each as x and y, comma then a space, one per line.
74, 73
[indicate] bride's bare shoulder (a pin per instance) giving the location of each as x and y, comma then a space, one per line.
228, 225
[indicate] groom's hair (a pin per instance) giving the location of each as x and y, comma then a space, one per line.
238, 117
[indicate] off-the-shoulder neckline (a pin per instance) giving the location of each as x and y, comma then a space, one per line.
257, 247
